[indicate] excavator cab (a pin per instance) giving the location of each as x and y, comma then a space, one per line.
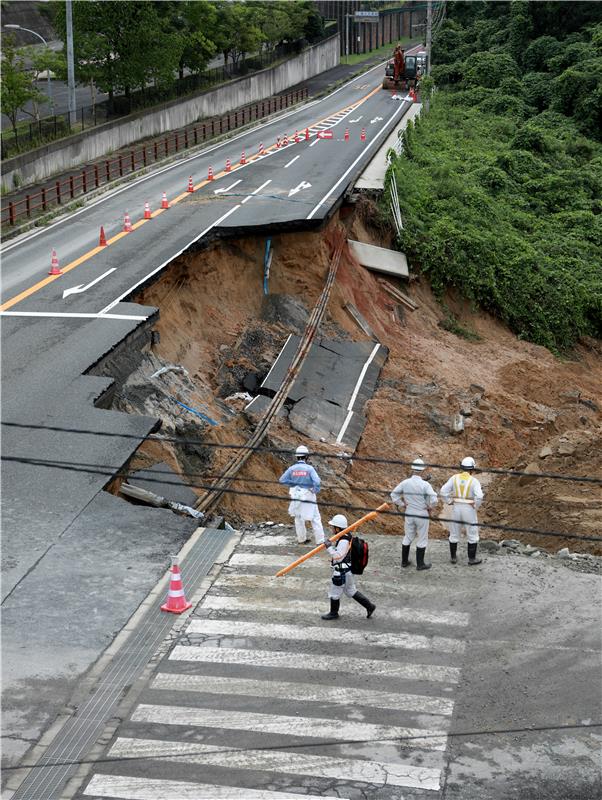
409, 78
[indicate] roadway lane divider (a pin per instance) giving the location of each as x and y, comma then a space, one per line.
339, 116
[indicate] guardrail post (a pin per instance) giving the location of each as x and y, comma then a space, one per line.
108, 170
177, 142
96, 176
71, 187
84, 181
120, 166
186, 138
144, 155
166, 146
58, 192
133, 160
12, 217
155, 151
43, 198
196, 135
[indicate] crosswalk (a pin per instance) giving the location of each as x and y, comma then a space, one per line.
260, 699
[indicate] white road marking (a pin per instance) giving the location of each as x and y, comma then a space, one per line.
292, 161
84, 287
376, 119
268, 541
227, 188
307, 692
349, 169
259, 188
245, 629
344, 769
282, 725
312, 607
127, 788
309, 661
351, 121
69, 315
316, 141
299, 187
111, 305
345, 424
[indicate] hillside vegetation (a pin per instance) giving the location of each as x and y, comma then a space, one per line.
500, 184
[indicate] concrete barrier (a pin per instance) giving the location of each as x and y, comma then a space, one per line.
94, 143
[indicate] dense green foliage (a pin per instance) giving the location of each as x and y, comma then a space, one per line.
500, 183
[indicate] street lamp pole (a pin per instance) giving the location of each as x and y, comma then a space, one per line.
21, 28
70, 65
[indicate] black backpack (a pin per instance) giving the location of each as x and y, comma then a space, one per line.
359, 555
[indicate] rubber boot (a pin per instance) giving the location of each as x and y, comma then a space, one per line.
334, 610
363, 601
472, 555
420, 551
453, 548
405, 555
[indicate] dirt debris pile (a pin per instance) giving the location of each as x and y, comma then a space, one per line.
444, 393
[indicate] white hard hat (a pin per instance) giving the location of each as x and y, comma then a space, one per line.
339, 521
418, 465
302, 450
469, 462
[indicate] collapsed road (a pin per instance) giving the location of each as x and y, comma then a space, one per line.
63, 546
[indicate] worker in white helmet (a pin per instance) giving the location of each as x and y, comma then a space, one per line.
463, 491
342, 580
416, 497
304, 484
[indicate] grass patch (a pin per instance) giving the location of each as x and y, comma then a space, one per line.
451, 324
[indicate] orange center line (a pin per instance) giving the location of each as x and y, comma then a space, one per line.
91, 253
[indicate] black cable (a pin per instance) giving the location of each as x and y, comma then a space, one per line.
109, 472
153, 437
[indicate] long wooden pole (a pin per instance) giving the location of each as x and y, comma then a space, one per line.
336, 537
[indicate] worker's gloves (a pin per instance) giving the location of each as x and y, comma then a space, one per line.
328, 543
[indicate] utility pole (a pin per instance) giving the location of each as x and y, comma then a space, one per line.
429, 27
70, 65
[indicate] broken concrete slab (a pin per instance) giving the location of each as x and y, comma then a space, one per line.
160, 479
379, 259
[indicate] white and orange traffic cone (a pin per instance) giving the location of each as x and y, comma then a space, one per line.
278, 142
363, 135
228, 165
176, 599
190, 185
102, 241
261, 149
210, 174
285, 140
147, 211
54, 264
164, 203
127, 223
296, 136
243, 159
346, 137
307, 134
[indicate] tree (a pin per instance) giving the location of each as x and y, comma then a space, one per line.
196, 21
237, 31
16, 82
43, 59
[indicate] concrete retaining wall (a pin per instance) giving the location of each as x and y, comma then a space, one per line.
67, 153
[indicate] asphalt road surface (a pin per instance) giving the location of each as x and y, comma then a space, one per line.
458, 688
55, 329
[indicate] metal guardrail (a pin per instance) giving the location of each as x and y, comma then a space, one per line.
92, 176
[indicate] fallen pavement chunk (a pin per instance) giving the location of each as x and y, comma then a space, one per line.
564, 553
513, 544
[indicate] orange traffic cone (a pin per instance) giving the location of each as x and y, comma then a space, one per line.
243, 160
363, 135
190, 185
54, 264
164, 203
127, 223
346, 137
210, 174
296, 136
102, 242
147, 211
176, 599
261, 149
278, 142
228, 165
285, 141
307, 134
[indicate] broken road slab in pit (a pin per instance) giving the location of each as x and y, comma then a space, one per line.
162, 480
334, 383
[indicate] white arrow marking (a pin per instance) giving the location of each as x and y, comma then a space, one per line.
83, 288
376, 119
351, 121
302, 185
227, 189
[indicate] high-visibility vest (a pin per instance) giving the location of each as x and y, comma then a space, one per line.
462, 484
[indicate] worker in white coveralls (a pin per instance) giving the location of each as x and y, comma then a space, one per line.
416, 497
463, 491
342, 580
304, 483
